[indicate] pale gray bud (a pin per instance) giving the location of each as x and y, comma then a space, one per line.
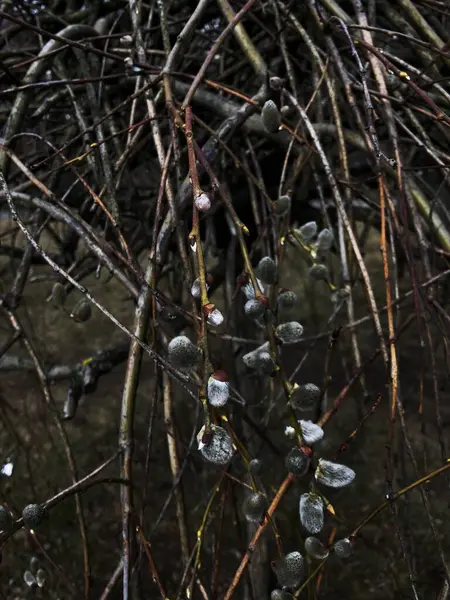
289, 333
267, 270
183, 354
215, 317
218, 389
315, 548
196, 290
287, 300
254, 308
297, 462
216, 446
282, 205
260, 359
305, 397
202, 202
33, 515
289, 570
271, 117
324, 241
307, 232
254, 507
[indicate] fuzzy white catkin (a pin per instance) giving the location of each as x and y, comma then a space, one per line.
289, 333
218, 391
311, 432
333, 474
219, 448
311, 512
183, 354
